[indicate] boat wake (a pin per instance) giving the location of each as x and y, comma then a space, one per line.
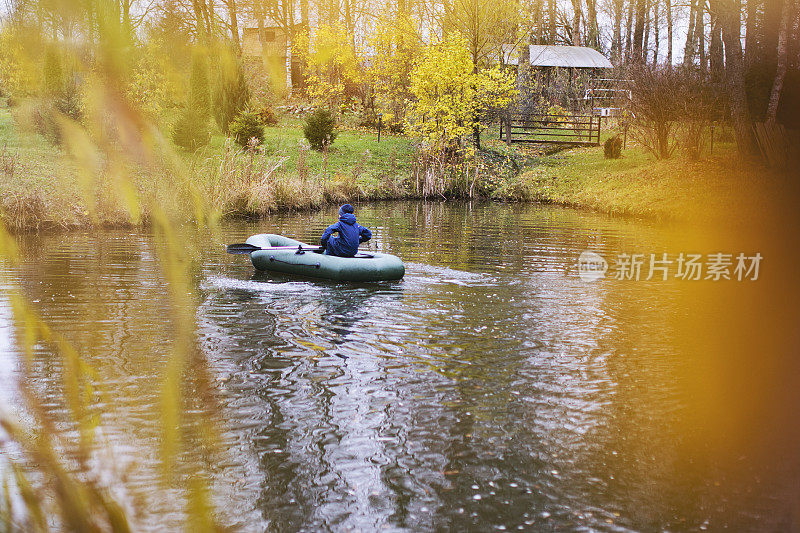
224, 283
430, 274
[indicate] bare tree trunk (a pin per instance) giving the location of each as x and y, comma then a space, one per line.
576, 22
538, 15
751, 38
669, 32
638, 32
288, 17
199, 21
701, 35
656, 24
445, 18
715, 49
591, 12
616, 42
233, 15
348, 20
126, 19
629, 32
305, 22
780, 73
729, 12
209, 21
258, 12
551, 20
646, 39
688, 50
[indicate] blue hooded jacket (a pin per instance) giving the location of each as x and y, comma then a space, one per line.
351, 234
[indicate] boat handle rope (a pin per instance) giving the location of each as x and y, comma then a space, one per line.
272, 258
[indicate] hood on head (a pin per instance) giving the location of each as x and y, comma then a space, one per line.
348, 218
346, 208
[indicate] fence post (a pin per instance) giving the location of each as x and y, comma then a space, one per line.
599, 124
508, 128
380, 123
712, 138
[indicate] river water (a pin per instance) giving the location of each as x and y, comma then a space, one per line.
493, 388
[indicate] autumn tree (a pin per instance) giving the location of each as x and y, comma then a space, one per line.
450, 97
485, 25
334, 65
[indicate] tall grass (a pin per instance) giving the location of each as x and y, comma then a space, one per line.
241, 182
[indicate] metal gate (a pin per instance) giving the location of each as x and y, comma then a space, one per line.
549, 128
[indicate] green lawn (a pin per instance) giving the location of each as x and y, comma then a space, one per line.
40, 186
718, 185
353, 152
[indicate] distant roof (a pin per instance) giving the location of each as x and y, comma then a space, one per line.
567, 56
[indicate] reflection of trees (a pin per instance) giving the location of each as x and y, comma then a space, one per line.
499, 378
103, 293
476, 424
299, 400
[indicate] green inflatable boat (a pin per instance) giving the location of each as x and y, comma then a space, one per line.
276, 253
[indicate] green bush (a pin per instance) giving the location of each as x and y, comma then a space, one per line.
231, 96
199, 92
191, 130
612, 148
53, 72
267, 116
320, 129
246, 126
69, 101
47, 112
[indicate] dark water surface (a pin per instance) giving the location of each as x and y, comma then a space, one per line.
491, 389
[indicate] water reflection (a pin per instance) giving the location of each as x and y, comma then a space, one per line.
491, 388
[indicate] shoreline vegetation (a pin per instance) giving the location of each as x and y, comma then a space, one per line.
41, 188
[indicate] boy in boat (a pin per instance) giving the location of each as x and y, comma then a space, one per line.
351, 234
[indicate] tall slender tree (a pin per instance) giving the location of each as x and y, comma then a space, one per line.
656, 24
716, 59
638, 32
780, 74
591, 24
688, 49
577, 12
751, 33
233, 17
629, 32
646, 37
616, 41
668, 9
729, 12
701, 35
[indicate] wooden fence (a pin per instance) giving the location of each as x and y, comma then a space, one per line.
779, 146
547, 128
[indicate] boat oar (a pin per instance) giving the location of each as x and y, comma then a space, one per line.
244, 248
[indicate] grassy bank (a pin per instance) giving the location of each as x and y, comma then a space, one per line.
41, 186
717, 186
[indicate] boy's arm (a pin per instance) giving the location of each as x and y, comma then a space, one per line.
364, 235
327, 234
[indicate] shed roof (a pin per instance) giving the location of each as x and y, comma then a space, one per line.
567, 56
